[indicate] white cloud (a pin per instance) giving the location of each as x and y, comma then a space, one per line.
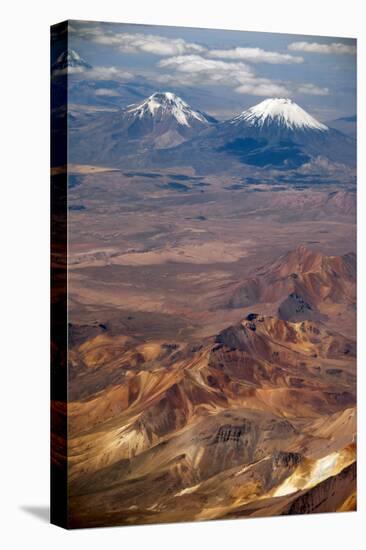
193, 69
149, 43
189, 63
263, 87
139, 43
311, 89
315, 47
256, 55
108, 73
106, 92
95, 73
321, 165
212, 69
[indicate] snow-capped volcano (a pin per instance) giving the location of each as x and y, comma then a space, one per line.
165, 130
163, 120
279, 133
70, 61
162, 105
280, 112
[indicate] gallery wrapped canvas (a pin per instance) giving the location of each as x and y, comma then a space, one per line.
203, 188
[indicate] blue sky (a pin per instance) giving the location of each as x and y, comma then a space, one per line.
224, 72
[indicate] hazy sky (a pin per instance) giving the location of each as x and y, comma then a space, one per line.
224, 72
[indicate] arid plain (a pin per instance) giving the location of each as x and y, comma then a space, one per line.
212, 347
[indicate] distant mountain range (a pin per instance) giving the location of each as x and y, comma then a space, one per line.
347, 125
278, 132
303, 284
162, 130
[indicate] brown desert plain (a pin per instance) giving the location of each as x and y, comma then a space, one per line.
211, 364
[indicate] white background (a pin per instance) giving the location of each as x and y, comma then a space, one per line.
24, 317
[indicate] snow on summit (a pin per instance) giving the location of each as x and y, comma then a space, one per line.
163, 104
282, 112
67, 60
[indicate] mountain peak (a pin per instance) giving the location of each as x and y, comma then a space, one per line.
166, 97
164, 104
299, 260
69, 59
281, 112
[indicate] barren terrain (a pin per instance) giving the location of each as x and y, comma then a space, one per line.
212, 347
